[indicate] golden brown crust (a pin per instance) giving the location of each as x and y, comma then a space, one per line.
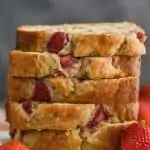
88, 40
34, 40
71, 90
66, 116
106, 138
34, 64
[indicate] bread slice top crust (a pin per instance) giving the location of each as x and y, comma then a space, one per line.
86, 28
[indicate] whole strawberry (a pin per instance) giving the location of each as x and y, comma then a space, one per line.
13, 145
135, 137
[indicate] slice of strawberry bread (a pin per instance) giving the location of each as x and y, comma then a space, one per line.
72, 90
34, 64
80, 40
39, 116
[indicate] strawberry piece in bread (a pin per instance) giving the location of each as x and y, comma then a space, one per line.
57, 42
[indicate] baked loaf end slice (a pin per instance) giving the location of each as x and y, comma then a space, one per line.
34, 64
107, 137
58, 116
71, 90
97, 39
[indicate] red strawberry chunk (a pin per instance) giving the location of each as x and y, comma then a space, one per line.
67, 61
41, 92
135, 137
114, 62
27, 106
141, 36
13, 145
57, 42
97, 118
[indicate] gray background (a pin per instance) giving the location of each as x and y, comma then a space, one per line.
18, 12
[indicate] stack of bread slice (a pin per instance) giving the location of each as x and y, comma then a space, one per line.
74, 86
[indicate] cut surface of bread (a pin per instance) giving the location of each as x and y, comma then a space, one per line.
107, 137
97, 39
71, 90
34, 64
